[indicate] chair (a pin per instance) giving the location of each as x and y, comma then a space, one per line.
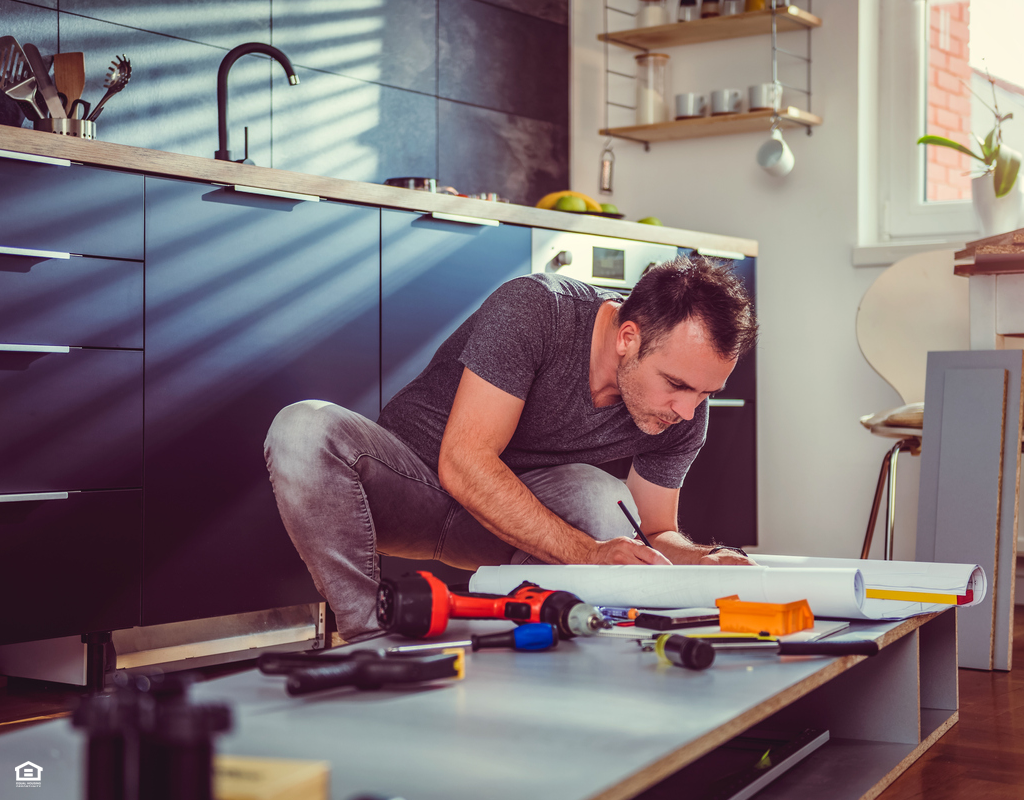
914, 306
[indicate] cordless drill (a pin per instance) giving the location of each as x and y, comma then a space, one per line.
418, 606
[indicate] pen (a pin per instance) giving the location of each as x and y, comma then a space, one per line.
636, 527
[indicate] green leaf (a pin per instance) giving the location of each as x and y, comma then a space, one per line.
990, 152
942, 141
1007, 167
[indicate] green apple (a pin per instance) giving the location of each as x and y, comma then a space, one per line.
609, 208
650, 221
570, 202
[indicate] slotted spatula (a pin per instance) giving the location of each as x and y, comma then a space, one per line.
14, 66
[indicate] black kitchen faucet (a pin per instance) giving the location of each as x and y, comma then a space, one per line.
222, 87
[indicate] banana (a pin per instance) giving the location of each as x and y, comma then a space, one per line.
549, 200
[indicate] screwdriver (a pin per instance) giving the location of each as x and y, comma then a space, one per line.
531, 636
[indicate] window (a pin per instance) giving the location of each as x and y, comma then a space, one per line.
936, 61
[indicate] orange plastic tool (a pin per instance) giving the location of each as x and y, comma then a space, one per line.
778, 619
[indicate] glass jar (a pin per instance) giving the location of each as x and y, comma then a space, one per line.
651, 88
652, 12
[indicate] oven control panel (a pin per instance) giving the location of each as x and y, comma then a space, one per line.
599, 260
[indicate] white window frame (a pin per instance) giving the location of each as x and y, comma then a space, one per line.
902, 213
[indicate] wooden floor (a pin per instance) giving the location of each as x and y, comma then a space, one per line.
980, 758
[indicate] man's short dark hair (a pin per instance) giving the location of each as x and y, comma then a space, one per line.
692, 287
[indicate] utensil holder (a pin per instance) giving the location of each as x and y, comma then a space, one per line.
81, 128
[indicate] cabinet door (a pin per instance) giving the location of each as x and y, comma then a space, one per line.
718, 502
252, 303
73, 209
70, 565
434, 274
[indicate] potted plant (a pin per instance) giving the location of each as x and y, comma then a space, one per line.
996, 201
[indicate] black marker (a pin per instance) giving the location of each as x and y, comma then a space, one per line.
636, 527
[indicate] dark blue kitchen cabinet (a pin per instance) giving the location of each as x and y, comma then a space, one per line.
434, 274
71, 398
252, 303
718, 501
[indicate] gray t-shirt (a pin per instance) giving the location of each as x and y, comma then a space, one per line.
531, 338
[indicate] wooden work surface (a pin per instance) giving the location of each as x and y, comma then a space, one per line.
592, 719
175, 165
1002, 254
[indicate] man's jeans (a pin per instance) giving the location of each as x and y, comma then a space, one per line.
348, 489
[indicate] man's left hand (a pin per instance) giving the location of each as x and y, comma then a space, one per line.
727, 558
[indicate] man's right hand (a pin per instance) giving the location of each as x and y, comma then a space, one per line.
623, 550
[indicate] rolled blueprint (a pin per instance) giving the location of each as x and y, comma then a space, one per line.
833, 587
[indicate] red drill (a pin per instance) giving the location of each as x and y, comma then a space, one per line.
419, 606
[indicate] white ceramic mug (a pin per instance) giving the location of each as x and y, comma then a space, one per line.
691, 104
726, 101
775, 157
765, 95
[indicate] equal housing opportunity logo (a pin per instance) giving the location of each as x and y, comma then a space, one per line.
28, 775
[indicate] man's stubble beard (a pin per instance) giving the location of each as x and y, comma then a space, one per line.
646, 421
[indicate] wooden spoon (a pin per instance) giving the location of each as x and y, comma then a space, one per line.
69, 75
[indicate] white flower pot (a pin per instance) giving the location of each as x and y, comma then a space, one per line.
996, 214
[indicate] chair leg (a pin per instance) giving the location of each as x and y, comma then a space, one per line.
873, 519
887, 479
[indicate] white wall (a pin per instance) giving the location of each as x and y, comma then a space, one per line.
817, 467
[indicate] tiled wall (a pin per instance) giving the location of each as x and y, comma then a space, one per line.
474, 92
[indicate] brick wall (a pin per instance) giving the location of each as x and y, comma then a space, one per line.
949, 100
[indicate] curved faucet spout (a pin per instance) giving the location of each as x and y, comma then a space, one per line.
222, 86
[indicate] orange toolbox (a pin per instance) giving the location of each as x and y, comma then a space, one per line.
776, 619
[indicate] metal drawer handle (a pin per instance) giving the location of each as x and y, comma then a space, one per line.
24, 251
466, 220
722, 402
311, 198
56, 162
32, 496
35, 348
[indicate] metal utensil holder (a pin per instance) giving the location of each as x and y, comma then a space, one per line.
81, 128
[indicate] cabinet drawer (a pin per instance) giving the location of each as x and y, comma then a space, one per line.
72, 209
70, 420
90, 302
70, 566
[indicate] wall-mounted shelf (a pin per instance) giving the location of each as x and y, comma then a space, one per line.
713, 29
770, 21
748, 122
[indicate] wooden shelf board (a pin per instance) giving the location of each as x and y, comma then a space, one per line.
748, 122
712, 29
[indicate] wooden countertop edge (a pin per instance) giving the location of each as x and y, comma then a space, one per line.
176, 165
691, 751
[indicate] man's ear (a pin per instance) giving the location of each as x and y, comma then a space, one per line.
628, 338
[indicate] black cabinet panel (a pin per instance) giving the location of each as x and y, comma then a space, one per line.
434, 274
718, 501
70, 420
78, 301
70, 566
252, 303
70, 209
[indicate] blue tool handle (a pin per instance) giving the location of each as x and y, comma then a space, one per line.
862, 648
531, 636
